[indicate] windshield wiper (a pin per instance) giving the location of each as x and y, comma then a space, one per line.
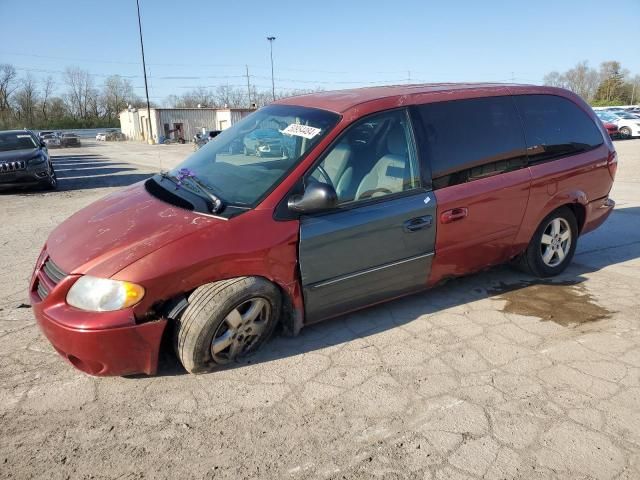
214, 203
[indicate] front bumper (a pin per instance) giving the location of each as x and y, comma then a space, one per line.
114, 351
98, 343
28, 175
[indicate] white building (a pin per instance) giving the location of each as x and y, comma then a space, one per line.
178, 122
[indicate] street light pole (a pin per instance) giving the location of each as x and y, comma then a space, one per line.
144, 71
273, 85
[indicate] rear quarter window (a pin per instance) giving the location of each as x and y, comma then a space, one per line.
464, 140
555, 126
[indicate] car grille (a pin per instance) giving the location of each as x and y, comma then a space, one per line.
6, 167
48, 277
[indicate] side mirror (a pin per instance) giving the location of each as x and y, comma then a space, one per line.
316, 197
43, 145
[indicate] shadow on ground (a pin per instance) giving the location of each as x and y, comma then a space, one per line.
87, 171
619, 242
79, 172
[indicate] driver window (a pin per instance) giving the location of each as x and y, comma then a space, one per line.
373, 158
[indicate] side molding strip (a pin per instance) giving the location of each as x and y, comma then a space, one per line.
368, 270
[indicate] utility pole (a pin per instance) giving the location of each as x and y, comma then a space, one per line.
633, 93
408, 76
248, 87
144, 71
273, 85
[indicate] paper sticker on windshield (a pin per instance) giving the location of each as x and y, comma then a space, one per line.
301, 130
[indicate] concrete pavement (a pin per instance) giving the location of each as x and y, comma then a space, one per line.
467, 381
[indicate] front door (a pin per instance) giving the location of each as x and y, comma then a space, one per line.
379, 242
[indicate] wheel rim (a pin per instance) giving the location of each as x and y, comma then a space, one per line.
626, 132
555, 242
241, 330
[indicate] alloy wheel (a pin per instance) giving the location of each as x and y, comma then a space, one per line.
240, 330
555, 243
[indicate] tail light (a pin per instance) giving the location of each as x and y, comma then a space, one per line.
612, 163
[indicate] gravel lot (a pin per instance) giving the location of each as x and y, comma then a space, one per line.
491, 376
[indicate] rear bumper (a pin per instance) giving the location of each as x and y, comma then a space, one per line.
110, 351
597, 212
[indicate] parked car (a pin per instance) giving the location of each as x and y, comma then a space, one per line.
45, 132
51, 140
264, 142
627, 123
111, 136
201, 139
70, 140
612, 129
24, 161
378, 198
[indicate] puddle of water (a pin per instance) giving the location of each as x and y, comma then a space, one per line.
565, 303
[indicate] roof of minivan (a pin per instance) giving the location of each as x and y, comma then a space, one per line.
340, 101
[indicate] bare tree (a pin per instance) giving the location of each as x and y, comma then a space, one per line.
8, 85
117, 93
554, 79
582, 80
47, 89
81, 90
26, 101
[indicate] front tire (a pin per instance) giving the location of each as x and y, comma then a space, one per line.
625, 132
52, 180
226, 321
553, 245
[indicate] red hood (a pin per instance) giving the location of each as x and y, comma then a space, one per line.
114, 232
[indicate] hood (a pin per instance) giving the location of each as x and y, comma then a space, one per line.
114, 232
18, 155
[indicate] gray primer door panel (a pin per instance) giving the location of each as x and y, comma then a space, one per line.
354, 257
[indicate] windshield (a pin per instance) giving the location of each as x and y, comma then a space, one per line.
248, 159
16, 141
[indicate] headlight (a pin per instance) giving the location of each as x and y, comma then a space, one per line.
36, 160
103, 295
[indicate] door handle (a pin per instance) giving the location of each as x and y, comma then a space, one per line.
454, 215
418, 223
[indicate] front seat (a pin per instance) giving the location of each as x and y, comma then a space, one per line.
389, 172
337, 166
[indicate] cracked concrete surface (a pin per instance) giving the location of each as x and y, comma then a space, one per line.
447, 384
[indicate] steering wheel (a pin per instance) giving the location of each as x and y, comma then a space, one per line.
325, 175
371, 193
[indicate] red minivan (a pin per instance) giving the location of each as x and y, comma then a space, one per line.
349, 198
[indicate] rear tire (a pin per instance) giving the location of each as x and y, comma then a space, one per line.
226, 321
553, 245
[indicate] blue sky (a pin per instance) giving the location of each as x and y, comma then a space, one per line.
330, 44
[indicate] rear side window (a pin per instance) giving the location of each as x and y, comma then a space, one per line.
465, 140
555, 127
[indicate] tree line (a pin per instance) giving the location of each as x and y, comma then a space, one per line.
27, 102
608, 85
77, 101
225, 96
